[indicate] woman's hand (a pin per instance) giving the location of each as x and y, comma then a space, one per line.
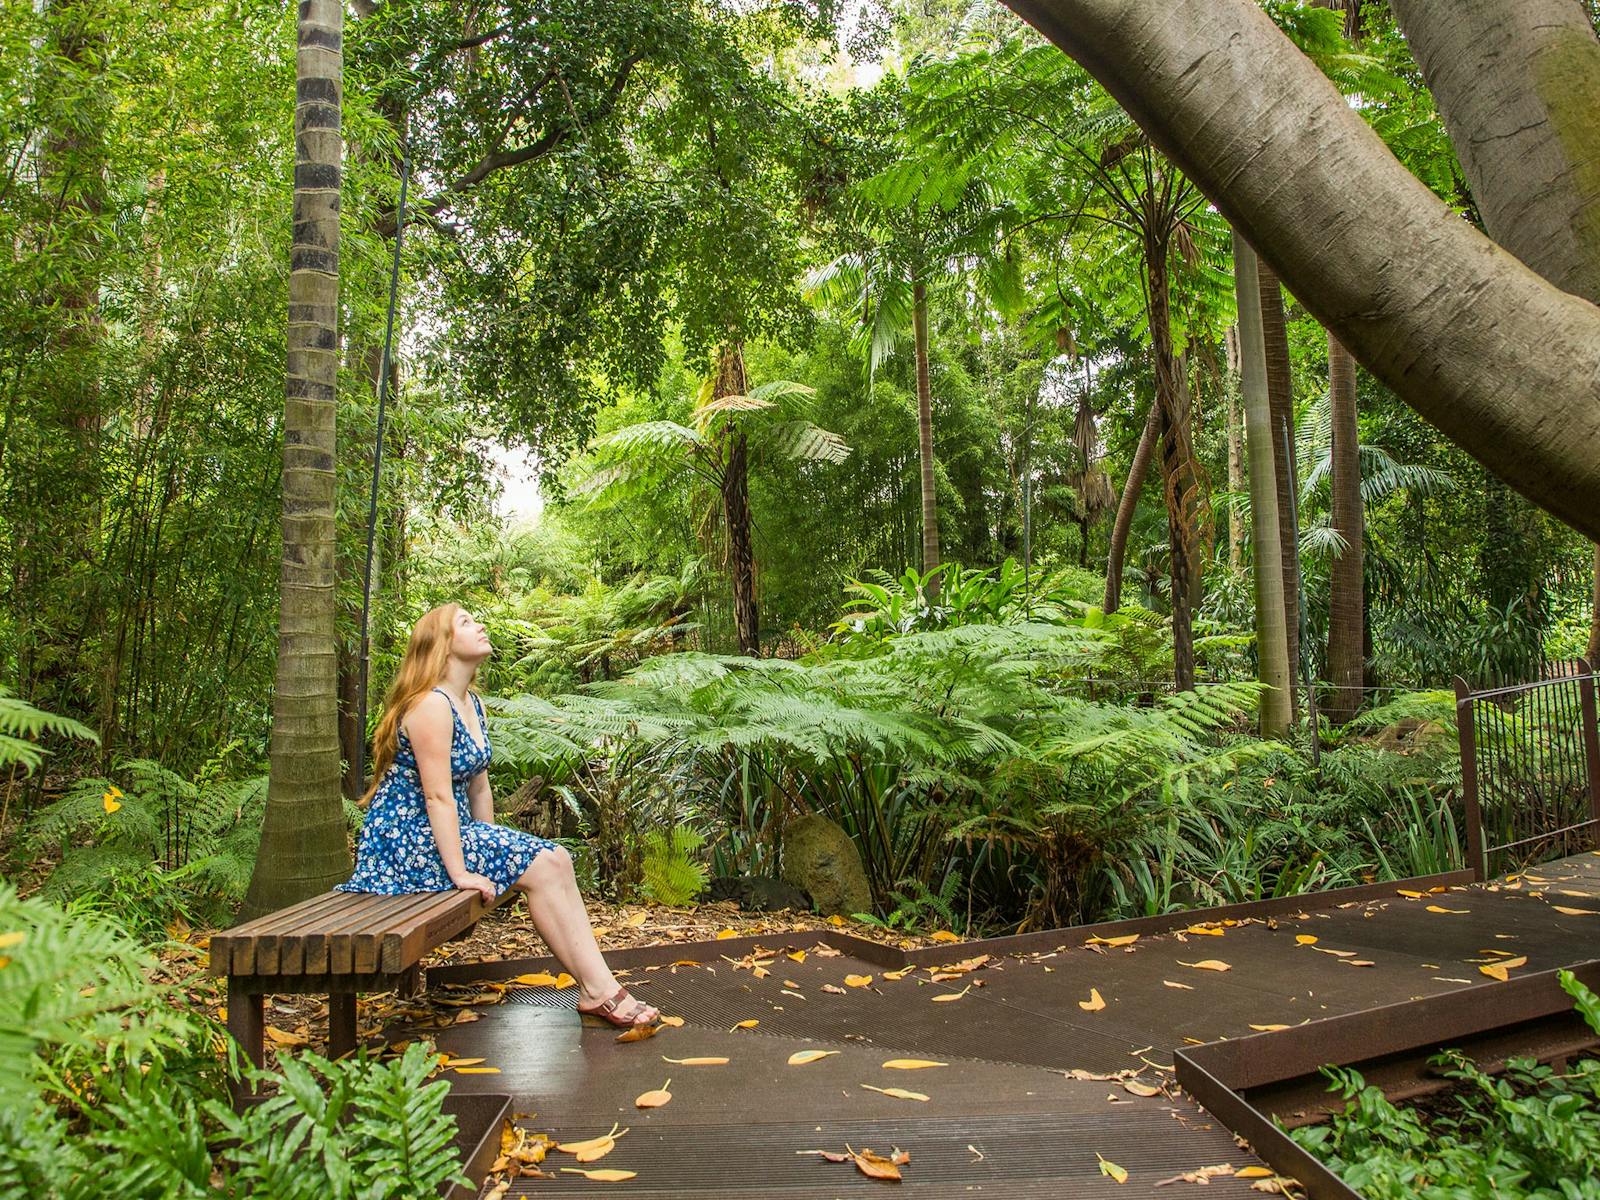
469, 882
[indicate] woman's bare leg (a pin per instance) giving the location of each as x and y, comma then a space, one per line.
563, 922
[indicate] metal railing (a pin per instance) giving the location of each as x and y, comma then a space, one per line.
1530, 770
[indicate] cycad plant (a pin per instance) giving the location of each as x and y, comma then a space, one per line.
730, 427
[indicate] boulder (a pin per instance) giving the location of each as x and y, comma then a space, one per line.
819, 857
759, 893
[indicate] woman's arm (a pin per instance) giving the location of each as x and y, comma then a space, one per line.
480, 797
430, 726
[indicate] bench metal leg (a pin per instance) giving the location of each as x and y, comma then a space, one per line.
247, 1028
341, 1024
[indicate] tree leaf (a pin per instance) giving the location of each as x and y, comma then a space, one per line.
603, 1175
1206, 964
897, 1093
1094, 1003
801, 1057
654, 1099
1109, 1168
698, 1062
911, 1064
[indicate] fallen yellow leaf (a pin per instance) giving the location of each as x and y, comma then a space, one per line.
801, 1057
1126, 939
1575, 912
724, 934
1206, 930
638, 1033
634, 920
1437, 908
876, 1166
1336, 953
895, 975
1306, 939
284, 1038
602, 1175
598, 1151
1185, 986
1207, 964
1499, 970
672, 1022
564, 980
476, 1070
1409, 895
750, 1024
943, 935
797, 955
696, 1062
836, 919
897, 1093
654, 1099
952, 995
1252, 1172
580, 1147
911, 1064
1109, 1168
1268, 1028
1094, 1003
537, 979
858, 981
460, 1062
1140, 1089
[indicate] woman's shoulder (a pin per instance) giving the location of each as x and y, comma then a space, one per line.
428, 713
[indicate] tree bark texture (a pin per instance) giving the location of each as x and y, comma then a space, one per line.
303, 846
1280, 399
736, 507
1180, 477
1120, 528
1501, 361
1346, 599
1235, 480
1518, 85
1266, 548
930, 493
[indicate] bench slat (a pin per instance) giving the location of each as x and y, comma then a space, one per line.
406, 946
320, 939
367, 942
284, 941
342, 943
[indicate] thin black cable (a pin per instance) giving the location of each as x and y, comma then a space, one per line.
360, 748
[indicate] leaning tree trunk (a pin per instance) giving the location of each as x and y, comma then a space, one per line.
730, 381
1266, 549
1517, 83
1280, 399
1179, 474
1120, 528
1235, 465
1346, 600
930, 495
303, 845
1499, 360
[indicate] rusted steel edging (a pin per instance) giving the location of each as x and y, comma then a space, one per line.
893, 957
1219, 1074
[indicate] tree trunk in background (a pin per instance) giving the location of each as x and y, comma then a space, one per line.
303, 846
1346, 598
1235, 463
1179, 477
1495, 357
1272, 643
736, 507
1518, 85
1280, 398
1137, 470
930, 494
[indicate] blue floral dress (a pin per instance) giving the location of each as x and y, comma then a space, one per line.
398, 854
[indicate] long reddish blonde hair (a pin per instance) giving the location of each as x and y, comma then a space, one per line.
421, 668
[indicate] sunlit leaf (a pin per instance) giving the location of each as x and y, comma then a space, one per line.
1094, 1003
897, 1093
801, 1057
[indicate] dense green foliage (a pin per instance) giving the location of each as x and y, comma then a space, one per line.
1531, 1132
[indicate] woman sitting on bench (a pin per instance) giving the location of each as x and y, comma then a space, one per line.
431, 826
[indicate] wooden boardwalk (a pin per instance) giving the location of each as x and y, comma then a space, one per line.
1006, 1116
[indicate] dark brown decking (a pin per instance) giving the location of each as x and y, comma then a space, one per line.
1033, 1130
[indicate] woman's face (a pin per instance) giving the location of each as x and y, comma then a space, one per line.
468, 639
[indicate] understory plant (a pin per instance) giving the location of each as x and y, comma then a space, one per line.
1531, 1132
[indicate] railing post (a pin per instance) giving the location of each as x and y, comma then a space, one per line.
1467, 734
1591, 735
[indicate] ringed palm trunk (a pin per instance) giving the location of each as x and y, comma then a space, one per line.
735, 486
1346, 601
930, 494
1280, 398
1266, 548
303, 846
1120, 528
1494, 356
1179, 475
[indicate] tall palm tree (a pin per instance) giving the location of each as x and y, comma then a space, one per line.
1272, 645
303, 845
1346, 585
731, 429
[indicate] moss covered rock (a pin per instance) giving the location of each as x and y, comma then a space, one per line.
820, 858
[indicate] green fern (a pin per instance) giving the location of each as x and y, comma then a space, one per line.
672, 875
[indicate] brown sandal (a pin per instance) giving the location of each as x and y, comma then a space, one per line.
606, 1011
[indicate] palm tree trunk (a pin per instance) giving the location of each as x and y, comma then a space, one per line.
1280, 398
736, 508
303, 845
1495, 357
1137, 470
1235, 481
1346, 659
1594, 617
930, 494
1266, 549
1179, 476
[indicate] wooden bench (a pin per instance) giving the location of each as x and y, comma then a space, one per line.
336, 944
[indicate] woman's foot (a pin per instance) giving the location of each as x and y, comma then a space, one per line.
622, 1010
